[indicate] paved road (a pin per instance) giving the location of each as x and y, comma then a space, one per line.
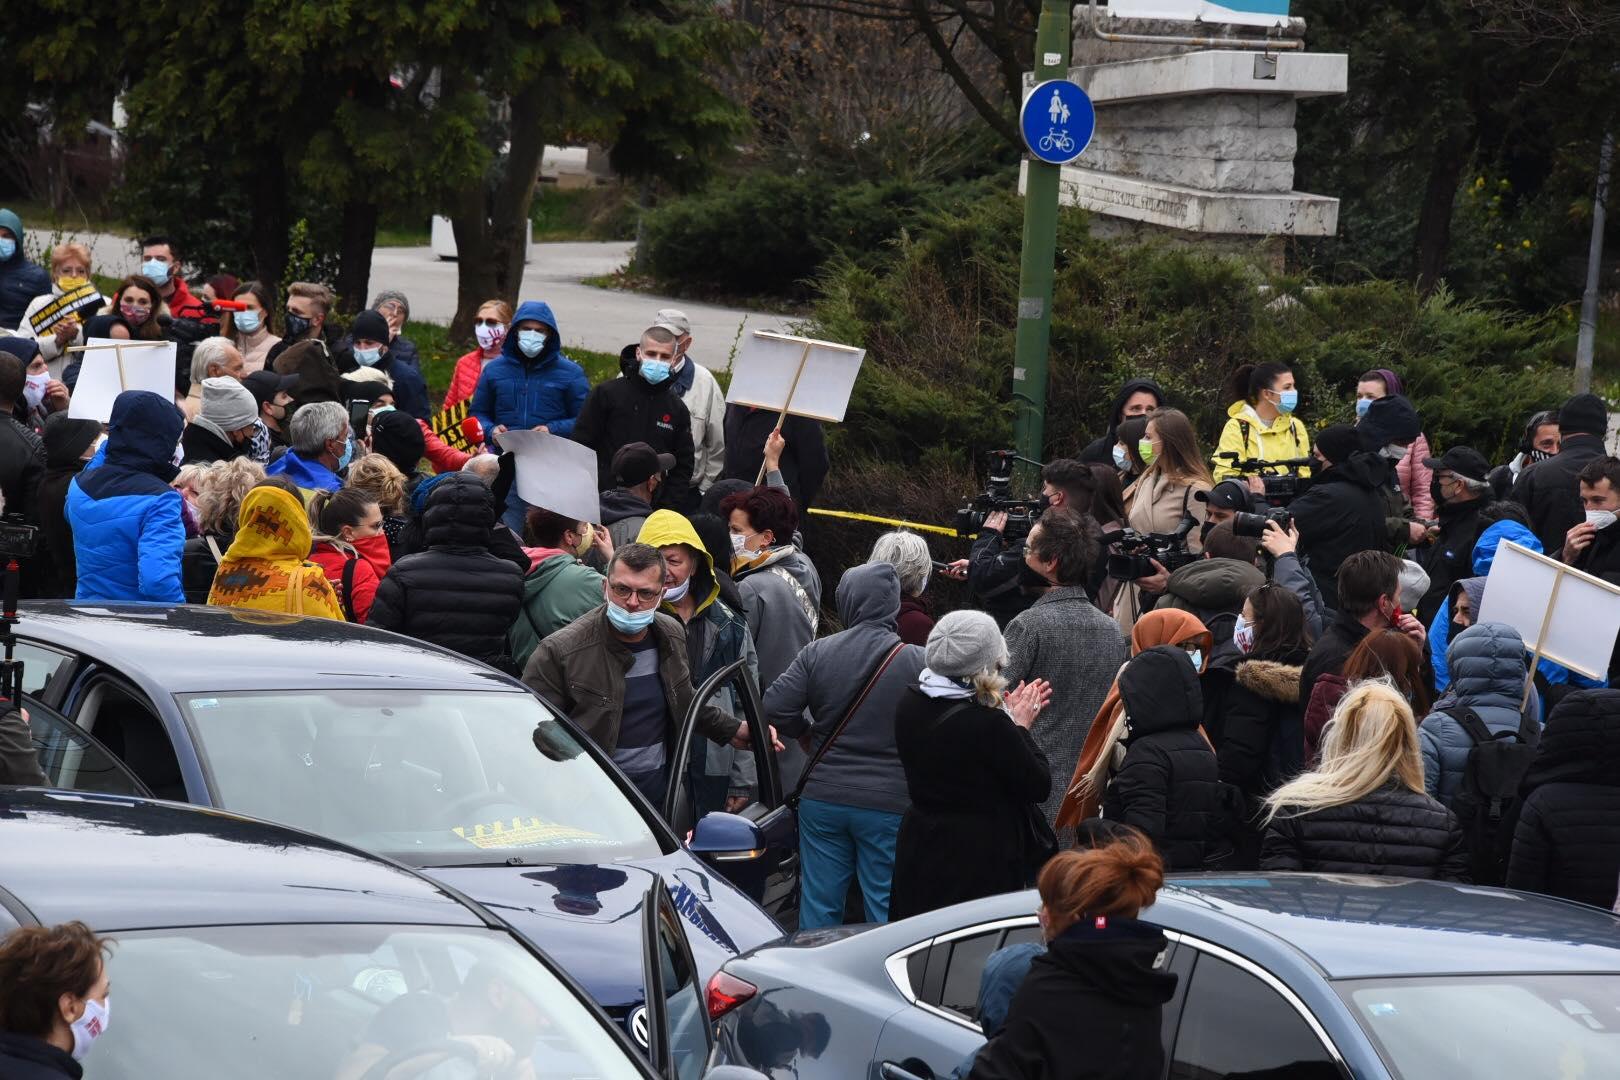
604, 320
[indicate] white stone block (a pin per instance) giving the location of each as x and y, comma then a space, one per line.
1214, 71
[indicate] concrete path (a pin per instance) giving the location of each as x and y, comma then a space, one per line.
603, 320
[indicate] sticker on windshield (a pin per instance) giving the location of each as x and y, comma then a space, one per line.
205, 703
533, 832
1381, 1008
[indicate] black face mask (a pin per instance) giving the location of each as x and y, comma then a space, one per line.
1435, 487
1029, 579
1203, 532
297, 325
1454, 628
1044, 502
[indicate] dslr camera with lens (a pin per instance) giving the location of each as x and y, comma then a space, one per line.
997, 496
1254, 525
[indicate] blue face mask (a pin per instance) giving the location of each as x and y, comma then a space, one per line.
346, 457
629, 622
1197, 658
8, 247
1122, 461
157, 270
368, 357
1287, 400
1362, 405
654, 371
531, 341
248, 321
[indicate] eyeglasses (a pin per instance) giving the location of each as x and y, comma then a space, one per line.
487, 322
392, 307
625, 592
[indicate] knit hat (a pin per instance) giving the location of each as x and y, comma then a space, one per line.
1583, 414
370, 326
397, 297
229, 404
23, 348
398, 437
66, 439
965, 643
1390, 419
1337, 443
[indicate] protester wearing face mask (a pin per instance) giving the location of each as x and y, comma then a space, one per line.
1160, 500
20, 279
1538, 443
249, 329
160, 264
368, 348
309, 304
1461, 490
1344, 511
559, 587
1593, 546
489, 328
320, 447
1137, 397
55, 318
349, 547
1549, 489
274, 396
56, 1003
1389, 430
621, 673
41, 395
223, 427
1368, 590
641, 406
137, 302
1412, 472
1261, 424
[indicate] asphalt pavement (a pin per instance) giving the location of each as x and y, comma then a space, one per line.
603, 320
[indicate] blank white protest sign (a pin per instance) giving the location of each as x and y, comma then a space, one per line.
766, 375
147, 365
1585, 611
555, 473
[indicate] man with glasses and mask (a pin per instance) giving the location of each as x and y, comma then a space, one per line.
621, 672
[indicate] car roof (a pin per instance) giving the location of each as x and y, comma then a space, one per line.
125, 864
186, 648
1345, 926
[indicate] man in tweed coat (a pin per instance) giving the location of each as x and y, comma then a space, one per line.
1065, 640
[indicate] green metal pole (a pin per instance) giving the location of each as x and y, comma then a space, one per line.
1052, 40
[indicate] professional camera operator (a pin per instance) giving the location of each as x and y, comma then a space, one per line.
1223, 502
1343, 512
994, 569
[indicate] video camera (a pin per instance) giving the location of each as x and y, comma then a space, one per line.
17, 541
1021, 513
1254, 525
1138, 551
1281, 488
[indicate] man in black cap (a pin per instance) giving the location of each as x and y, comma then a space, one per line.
274, 394
1460, 487
1387, 430
1343, 512
1226, 500
1549, 490
369, 347
638, 471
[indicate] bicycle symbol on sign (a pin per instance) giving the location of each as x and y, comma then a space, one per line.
1057, 140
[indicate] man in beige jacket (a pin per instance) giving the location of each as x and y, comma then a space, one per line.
701, 394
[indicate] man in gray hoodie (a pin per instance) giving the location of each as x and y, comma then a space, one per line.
855, 796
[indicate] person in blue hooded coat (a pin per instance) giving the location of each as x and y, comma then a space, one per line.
128, 531
20, 279
1489, 663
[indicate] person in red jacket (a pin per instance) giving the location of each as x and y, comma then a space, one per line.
489, 327
350, 547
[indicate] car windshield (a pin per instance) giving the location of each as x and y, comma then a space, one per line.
342, 1002
1509, 1026
433, 778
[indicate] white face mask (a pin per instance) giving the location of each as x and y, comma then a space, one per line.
90, 1027
489, 336
678, 593
34, 389
1243, 634
1600, 519
1394, 452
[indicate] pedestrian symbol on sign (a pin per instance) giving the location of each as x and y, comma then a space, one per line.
1057, 121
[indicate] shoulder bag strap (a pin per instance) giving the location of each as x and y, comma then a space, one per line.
860, 699
213, 546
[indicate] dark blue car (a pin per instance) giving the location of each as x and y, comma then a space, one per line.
1286, 976
397, 748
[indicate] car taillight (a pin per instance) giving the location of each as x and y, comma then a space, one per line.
726, 992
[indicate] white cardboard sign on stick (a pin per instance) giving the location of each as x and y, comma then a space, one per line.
112, 366
555, 473
799, 376
1568, 617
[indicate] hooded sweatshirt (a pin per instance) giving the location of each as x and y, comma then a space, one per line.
862, 768
128, 528
516, 391
1101, 451
20, 280
53, 567
267, 566
558, 590
1247, 436
1488, 665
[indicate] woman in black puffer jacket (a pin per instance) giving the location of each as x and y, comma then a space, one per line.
1567, 842
455, 594
1364, 810
1168, 784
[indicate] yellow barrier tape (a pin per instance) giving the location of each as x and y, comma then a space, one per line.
852, 516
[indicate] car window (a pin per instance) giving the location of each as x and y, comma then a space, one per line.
433, 778
960, 993
74, 761
685, 1010
41, 666
344, 1002
122, 721
1233, 1025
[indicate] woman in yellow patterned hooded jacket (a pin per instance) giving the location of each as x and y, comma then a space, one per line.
267, 566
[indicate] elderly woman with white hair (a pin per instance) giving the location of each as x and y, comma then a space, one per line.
975, 776
909, 555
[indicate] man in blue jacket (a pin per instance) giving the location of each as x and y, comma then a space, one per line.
531, 385
127, 526
20, 280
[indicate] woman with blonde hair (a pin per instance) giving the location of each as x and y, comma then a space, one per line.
490, 324
376, 476
1363, 810
1161, 499
220, 490
1099, 985
70, 273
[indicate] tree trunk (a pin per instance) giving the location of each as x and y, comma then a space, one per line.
1434, 220
354, 254
475, 278
268, 230
509, 234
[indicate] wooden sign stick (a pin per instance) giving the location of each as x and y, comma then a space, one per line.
1535, 657
804, 358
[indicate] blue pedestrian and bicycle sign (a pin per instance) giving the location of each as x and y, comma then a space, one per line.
1058, 121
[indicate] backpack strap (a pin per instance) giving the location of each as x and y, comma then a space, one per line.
1469, 721
346, 594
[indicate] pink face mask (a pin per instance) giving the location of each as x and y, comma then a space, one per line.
135, 316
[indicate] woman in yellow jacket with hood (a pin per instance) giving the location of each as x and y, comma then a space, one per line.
267, 566
1261, 423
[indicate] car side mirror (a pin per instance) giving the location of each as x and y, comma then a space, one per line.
727, 838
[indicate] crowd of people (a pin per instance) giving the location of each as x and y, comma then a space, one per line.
1267, 656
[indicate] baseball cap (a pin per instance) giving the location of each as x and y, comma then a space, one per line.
1462, 460
634, 462
1226, 495
265, 385
673, 320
